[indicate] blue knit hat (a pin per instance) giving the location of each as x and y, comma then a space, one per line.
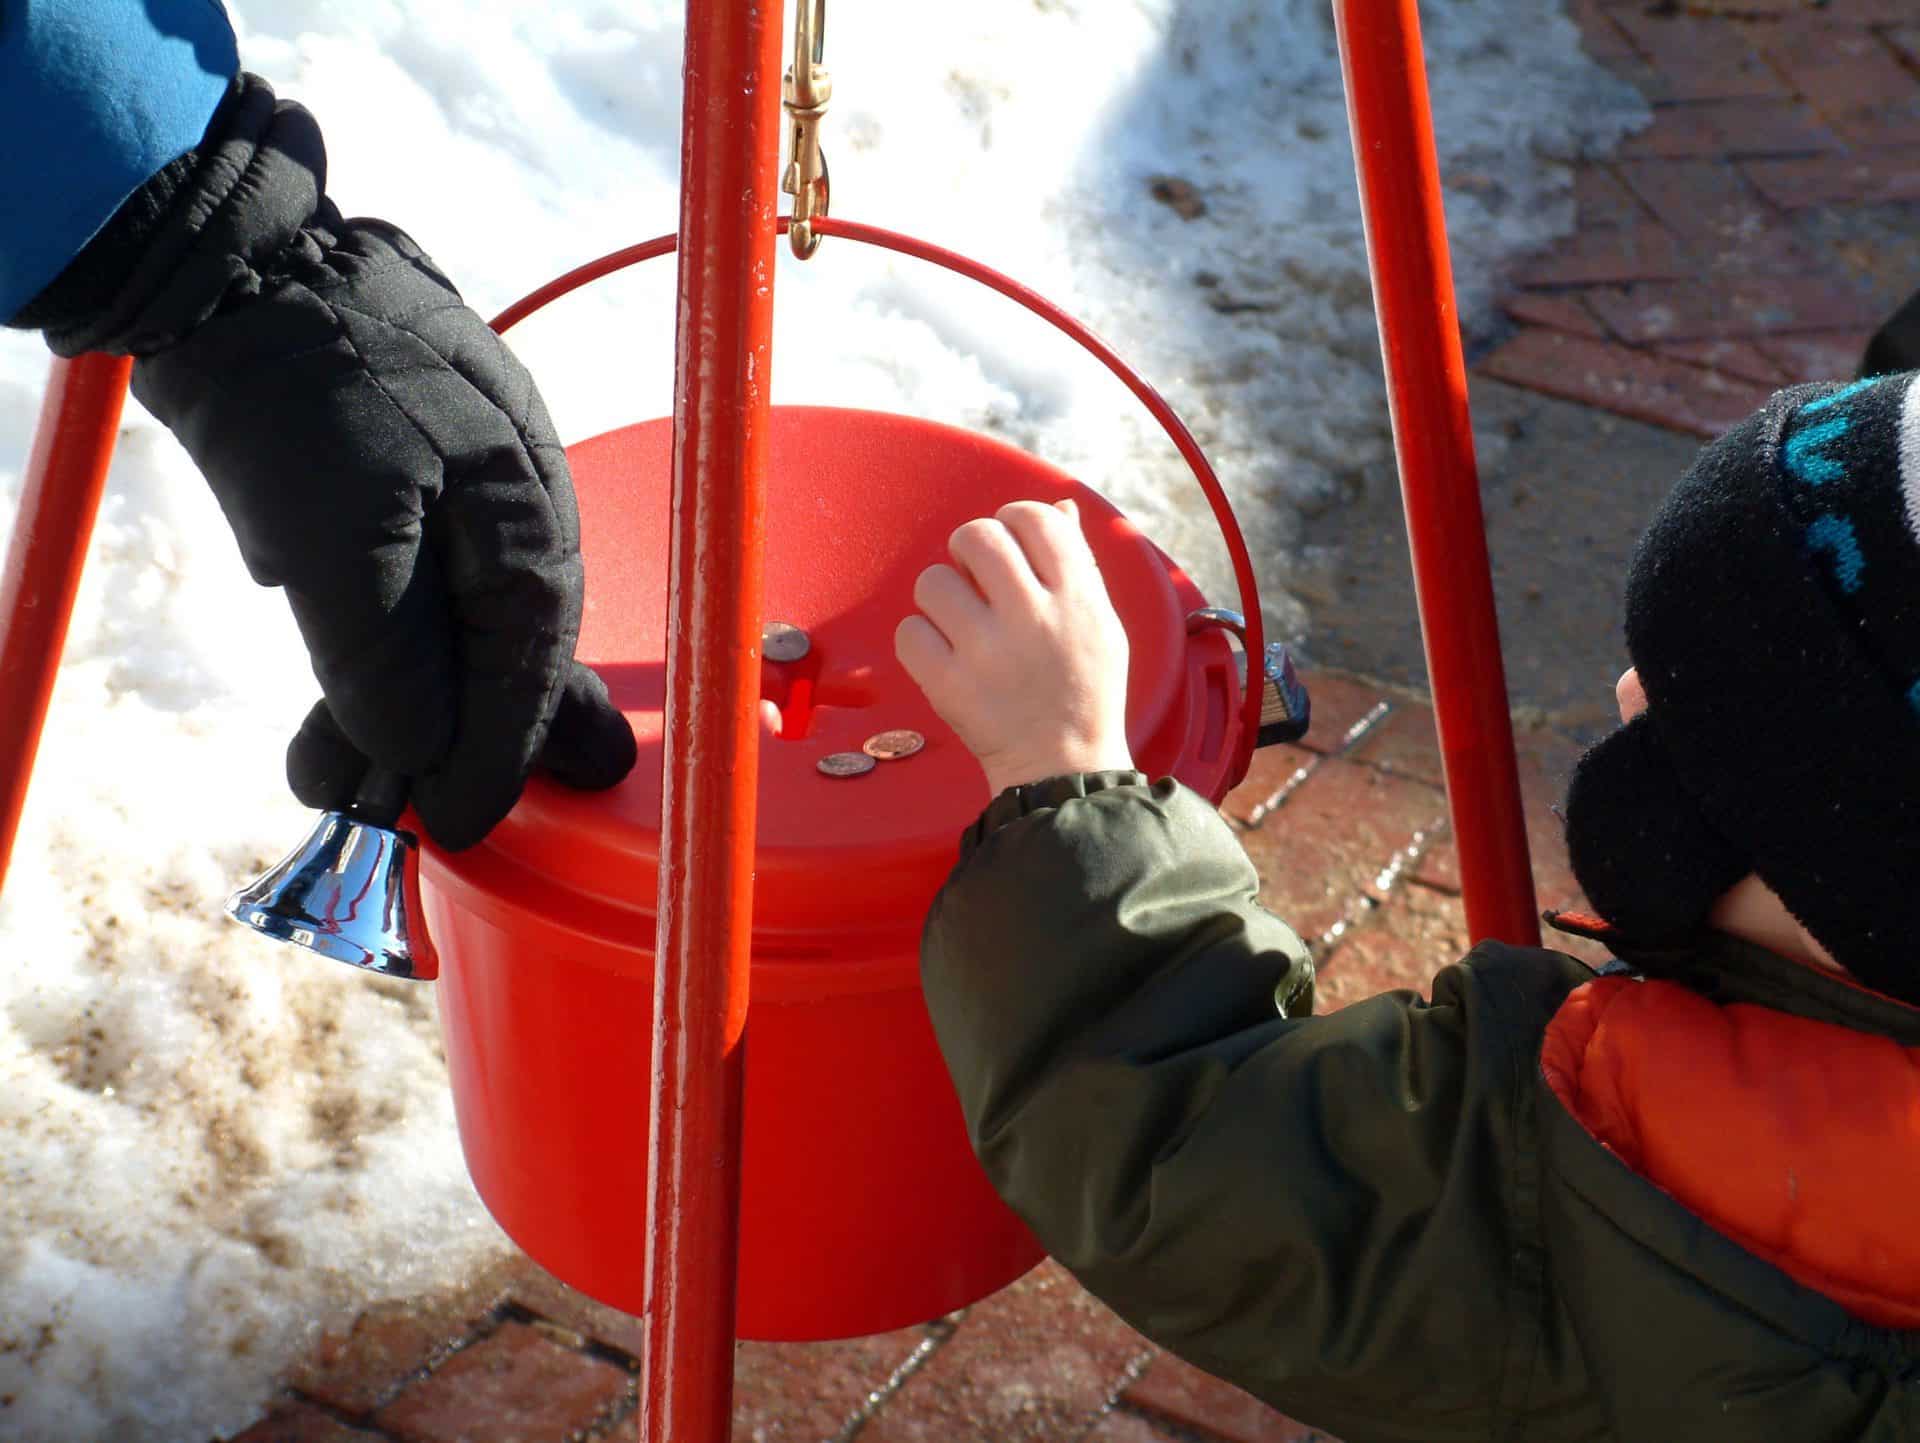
1773, 613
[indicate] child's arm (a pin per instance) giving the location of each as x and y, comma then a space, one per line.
1329, 1212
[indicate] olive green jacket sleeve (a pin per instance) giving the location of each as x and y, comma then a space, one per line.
1337, 1214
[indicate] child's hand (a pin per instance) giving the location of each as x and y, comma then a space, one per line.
1019, 648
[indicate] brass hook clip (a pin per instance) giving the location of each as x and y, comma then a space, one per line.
805, 93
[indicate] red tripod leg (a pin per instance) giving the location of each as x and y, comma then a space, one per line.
1406, 228
729, 188
59, 498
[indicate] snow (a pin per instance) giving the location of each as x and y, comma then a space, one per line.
210, 1146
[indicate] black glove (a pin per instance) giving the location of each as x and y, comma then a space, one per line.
379, 453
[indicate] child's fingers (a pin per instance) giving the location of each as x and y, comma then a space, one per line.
1049, 536
950, 602
993, 558
921, 650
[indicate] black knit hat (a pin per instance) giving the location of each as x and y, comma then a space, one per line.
1773, 613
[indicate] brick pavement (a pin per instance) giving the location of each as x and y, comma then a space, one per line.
1715, 257
1736, 244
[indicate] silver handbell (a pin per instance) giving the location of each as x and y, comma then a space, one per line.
1285, 708
351, 890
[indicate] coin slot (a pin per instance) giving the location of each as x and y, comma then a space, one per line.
799, 692
796, 717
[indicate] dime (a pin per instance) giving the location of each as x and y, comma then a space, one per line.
781, 641
893, 746
846, 764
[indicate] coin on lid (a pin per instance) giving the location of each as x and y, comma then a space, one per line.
846, 764
893, 746
780, 641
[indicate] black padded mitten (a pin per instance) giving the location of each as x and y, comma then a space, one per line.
379, 453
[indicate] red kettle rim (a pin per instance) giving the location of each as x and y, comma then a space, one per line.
1156, 404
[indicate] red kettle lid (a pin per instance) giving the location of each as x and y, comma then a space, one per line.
858, 504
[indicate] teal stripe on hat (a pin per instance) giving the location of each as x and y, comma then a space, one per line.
1840, 395
1835, 535
1803, 451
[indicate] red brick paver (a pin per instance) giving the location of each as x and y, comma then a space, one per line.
304, 1423
803, 1392
520, 1383
1847, 74
1643, 251
1545, 762
356, 1371
1121, 1427
1640, 383
1679, 131
1691, 284
1599, 36
1722, 223
1817, 356
1744, 360
1734, 129
1175, 1390
1406, 742
1330, 849
1694, 58
1859, 12
1036, 1362
532, 1290
1555, 312
1724, 305
1273, 774
1342, 708
1396, 948
1604, 201
1867, 177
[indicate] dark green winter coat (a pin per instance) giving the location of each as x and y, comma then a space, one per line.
1381, 1221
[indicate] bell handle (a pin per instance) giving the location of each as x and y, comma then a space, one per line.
379, 799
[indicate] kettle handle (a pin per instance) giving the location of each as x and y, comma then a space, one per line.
1176, 430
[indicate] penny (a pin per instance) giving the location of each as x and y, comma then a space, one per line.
781, 641
893, 746
846, 764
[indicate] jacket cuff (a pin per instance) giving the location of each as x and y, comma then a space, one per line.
256, 181
1042, 796
88, 284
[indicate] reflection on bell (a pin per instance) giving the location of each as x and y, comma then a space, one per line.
349, 892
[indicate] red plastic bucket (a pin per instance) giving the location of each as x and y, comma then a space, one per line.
862, 1206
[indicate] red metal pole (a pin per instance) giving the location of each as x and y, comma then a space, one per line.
729, 160
59, 498
1406, 228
